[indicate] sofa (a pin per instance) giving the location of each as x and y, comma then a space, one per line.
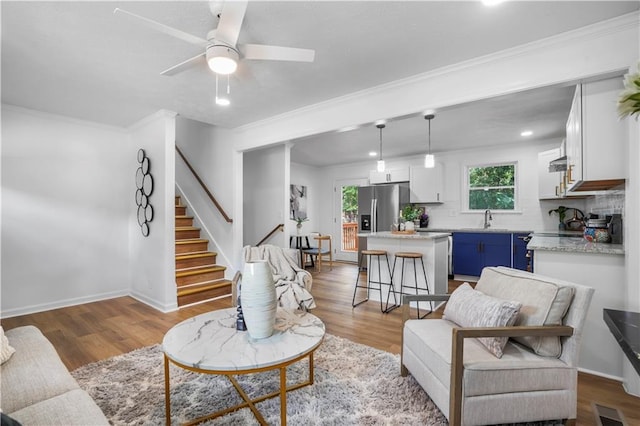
37, 389
505, 351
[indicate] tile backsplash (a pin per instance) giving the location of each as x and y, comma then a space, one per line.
606, 203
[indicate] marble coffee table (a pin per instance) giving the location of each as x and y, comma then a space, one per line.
210, 344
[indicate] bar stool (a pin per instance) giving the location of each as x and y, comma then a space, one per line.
371, 254
412, 256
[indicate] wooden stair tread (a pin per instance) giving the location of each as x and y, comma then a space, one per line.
199, 270
191, 241
187, 228
183, 216
201, 287
195, 255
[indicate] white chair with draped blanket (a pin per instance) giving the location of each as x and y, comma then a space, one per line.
293, 284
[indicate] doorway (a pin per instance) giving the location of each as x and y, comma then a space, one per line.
347, 228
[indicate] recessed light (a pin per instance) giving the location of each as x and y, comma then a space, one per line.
526, 133
372, 153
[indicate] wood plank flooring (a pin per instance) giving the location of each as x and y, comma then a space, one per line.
91, 332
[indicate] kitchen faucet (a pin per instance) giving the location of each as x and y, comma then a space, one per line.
487, 213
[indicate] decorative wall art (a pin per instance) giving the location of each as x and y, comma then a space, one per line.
144, 189
298, 202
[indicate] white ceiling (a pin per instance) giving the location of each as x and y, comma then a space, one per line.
79, 59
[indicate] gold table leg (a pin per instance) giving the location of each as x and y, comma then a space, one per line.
167, 394
248, 402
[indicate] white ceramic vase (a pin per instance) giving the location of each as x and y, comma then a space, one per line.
408, 226
258, 299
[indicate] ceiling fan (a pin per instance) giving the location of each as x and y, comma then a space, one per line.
221, 51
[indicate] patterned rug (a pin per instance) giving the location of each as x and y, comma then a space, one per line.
354, 385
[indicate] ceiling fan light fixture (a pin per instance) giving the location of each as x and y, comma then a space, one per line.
222, 59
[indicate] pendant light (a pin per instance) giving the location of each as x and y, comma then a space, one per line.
380, 160
429, 160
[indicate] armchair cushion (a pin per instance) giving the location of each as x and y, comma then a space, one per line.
471, 308
544, 302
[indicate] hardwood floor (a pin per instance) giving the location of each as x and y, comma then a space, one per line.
91, 332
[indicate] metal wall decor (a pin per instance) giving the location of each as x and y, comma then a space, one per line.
144, 189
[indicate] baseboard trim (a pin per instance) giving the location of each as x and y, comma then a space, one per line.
599, 374
65, 303
164, 308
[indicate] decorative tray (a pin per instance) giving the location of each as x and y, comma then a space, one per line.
404, 232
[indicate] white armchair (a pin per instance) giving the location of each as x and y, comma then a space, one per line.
535, 377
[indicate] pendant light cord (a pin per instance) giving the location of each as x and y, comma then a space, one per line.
380, 157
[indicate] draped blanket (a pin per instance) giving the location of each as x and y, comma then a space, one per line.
293, 284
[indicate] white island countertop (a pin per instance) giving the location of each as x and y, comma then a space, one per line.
415, 236
572, 244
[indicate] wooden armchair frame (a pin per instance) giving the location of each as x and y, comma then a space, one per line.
457, 348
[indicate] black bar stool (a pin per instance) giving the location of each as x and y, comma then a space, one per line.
412, 256
371, 255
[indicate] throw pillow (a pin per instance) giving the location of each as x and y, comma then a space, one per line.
471, 308
5, 349
545, 301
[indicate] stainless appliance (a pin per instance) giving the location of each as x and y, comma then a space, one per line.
379, 207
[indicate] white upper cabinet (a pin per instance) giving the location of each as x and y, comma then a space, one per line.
426, 184
596, 138
548, 182
389, 176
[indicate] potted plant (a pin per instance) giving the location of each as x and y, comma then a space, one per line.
561, 212
411, 214
299, 221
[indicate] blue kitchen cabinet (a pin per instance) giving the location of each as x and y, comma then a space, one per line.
472, 251
520, 259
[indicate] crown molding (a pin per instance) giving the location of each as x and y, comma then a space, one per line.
590, 33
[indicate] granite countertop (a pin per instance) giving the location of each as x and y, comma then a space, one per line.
488, 230
417, 236
573, 244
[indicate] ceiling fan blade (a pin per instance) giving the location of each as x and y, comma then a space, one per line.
185, 65
276, 53
230, 23
163, 28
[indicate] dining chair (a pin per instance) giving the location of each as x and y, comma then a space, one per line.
321, 250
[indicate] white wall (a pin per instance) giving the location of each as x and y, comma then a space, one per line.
208, 149
153, 257
312, 178
67, 194
266, 194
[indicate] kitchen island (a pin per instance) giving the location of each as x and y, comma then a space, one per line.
434, 249
597, 265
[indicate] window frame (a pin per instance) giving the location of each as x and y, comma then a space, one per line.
516, 179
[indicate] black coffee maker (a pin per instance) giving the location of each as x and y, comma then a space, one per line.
615, 228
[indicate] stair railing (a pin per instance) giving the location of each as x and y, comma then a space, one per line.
206, 190
279, 227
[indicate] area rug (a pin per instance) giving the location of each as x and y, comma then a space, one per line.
354, 385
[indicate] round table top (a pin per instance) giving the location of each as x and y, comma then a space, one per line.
211, 342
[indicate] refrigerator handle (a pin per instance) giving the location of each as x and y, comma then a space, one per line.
374, 215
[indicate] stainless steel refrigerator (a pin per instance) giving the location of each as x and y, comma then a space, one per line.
379, 207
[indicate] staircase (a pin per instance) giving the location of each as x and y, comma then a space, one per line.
198, 278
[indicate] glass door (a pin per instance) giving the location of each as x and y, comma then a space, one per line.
346, 192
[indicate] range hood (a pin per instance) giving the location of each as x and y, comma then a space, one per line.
558, 165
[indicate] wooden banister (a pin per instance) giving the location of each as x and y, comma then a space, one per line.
273, 231
211, 197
